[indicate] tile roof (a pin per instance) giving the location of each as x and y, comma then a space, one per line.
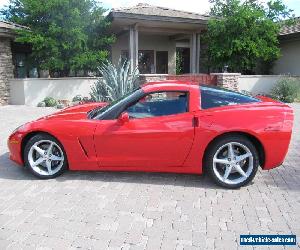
291, 29
11, 26
150, 10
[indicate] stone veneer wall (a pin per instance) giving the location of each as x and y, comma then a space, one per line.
6, 69
228, 80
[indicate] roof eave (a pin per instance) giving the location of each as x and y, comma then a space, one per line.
157, 18
8, 33
289, 36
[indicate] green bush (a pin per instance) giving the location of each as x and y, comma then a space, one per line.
85, 99
41, 104
77, 98
50, 102
286, 90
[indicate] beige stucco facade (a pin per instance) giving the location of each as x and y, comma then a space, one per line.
289, 62
148, 36
147, 42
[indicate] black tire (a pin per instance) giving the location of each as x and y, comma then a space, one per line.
217, 145
42, 138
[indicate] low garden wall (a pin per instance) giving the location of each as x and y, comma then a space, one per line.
259, 84
31, 91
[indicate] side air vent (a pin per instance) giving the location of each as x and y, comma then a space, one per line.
83, 149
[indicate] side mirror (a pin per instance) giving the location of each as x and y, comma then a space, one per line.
123, 118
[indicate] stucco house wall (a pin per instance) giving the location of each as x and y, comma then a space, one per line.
289, 62
147, 42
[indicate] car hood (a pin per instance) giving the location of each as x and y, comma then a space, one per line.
75, 112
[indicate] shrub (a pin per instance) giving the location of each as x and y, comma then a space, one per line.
286, 90
60, 106
50, 102
41, 104
116, 81
77, 98
179, 60
85, 99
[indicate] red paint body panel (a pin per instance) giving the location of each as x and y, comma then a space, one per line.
14, 147
160, 141
174, 143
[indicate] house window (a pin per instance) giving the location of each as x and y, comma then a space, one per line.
146, 62
183, 59
124, 55
162, 62
23, 65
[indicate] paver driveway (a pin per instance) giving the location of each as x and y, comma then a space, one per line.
140, 210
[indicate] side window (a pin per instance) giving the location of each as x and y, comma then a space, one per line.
215, 97
159, 104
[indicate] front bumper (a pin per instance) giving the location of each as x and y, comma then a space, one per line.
14, 144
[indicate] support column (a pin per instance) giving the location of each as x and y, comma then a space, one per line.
133, 47
198, 53
195, 53
228, 80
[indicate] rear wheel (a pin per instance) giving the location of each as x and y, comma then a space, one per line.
45, 157
232, 161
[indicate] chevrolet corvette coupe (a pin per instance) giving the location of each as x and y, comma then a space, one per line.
167, 126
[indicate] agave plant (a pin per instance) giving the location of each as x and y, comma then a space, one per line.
115, 82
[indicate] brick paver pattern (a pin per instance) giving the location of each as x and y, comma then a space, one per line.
105, 210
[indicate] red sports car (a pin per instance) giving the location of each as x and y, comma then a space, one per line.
161, 127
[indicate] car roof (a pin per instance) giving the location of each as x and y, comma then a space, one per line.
169, 84
175, 84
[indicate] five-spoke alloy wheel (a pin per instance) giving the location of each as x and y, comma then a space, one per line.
44, 156
232, 161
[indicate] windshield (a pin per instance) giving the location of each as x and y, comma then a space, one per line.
97, 112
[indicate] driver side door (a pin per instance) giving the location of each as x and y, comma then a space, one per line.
158, 134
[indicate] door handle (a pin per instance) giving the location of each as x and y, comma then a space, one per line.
195, 121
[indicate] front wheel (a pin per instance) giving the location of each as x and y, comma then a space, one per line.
232, 161
45, 157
